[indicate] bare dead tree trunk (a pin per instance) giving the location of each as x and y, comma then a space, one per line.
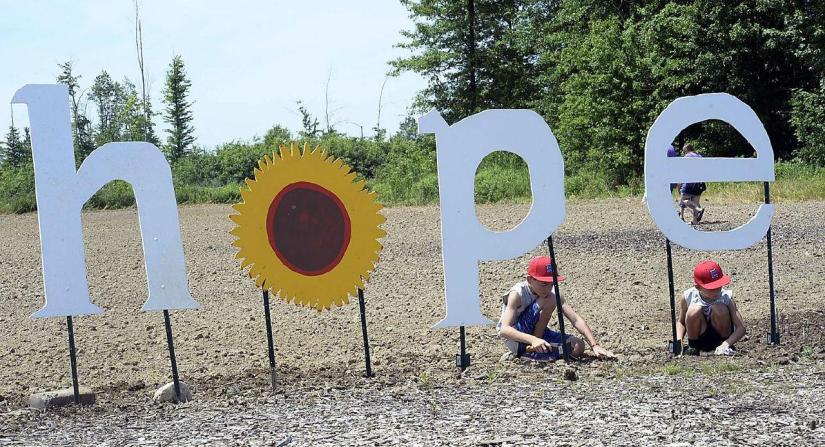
326, 101
471, 18
380, 103
139, 48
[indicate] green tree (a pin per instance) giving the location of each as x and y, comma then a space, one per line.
178, 112
276, 136
309, 124
85, 139
82, 129
16, 149
475, 54
146, 121
131, 115
761, 52
109, 97
27, 142
808, 121
408, 128
71, 81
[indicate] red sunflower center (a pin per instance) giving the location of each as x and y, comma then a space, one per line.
308, 228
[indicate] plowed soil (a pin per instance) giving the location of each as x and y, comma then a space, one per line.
610, 251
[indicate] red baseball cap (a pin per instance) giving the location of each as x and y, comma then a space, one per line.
709, 275
541, 268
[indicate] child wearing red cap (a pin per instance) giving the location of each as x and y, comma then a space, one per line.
526, 311
708, 315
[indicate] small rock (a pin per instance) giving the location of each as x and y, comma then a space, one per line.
61, 398
139, 385
812, 424
231, 391
506, 357
570, 374
166, 393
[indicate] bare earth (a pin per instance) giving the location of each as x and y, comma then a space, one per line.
610, 251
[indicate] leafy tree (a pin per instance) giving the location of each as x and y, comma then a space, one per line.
178, 112
109, 96
131, 115
408, 128
475, 54
760, 51
309, 124
82, 130
146, 121
27, 142
68, 78
85, 137
808, 121
276, 136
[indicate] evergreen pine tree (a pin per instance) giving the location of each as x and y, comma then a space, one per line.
178, 112
16, 151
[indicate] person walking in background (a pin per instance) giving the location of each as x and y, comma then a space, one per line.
671, 152
690, 193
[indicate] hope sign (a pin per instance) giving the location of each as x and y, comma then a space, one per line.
61, 191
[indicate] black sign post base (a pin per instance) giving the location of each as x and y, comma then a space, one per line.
362, 307
73, 360
171, 344
565, 346
674, 346
462, 359
773, 336
269, 343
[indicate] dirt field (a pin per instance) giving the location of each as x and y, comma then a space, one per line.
610, 251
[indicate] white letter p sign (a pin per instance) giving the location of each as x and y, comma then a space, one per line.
464, 240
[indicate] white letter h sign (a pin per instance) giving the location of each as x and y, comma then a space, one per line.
61, 192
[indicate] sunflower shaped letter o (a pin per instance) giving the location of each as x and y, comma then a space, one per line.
306, 229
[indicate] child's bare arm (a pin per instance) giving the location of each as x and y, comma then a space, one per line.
584, 329
578, 322
680, 322
508, 320
738, 323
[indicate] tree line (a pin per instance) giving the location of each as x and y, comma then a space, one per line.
598, 71
401, 166
122, 115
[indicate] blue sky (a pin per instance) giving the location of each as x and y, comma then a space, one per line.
249, 62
